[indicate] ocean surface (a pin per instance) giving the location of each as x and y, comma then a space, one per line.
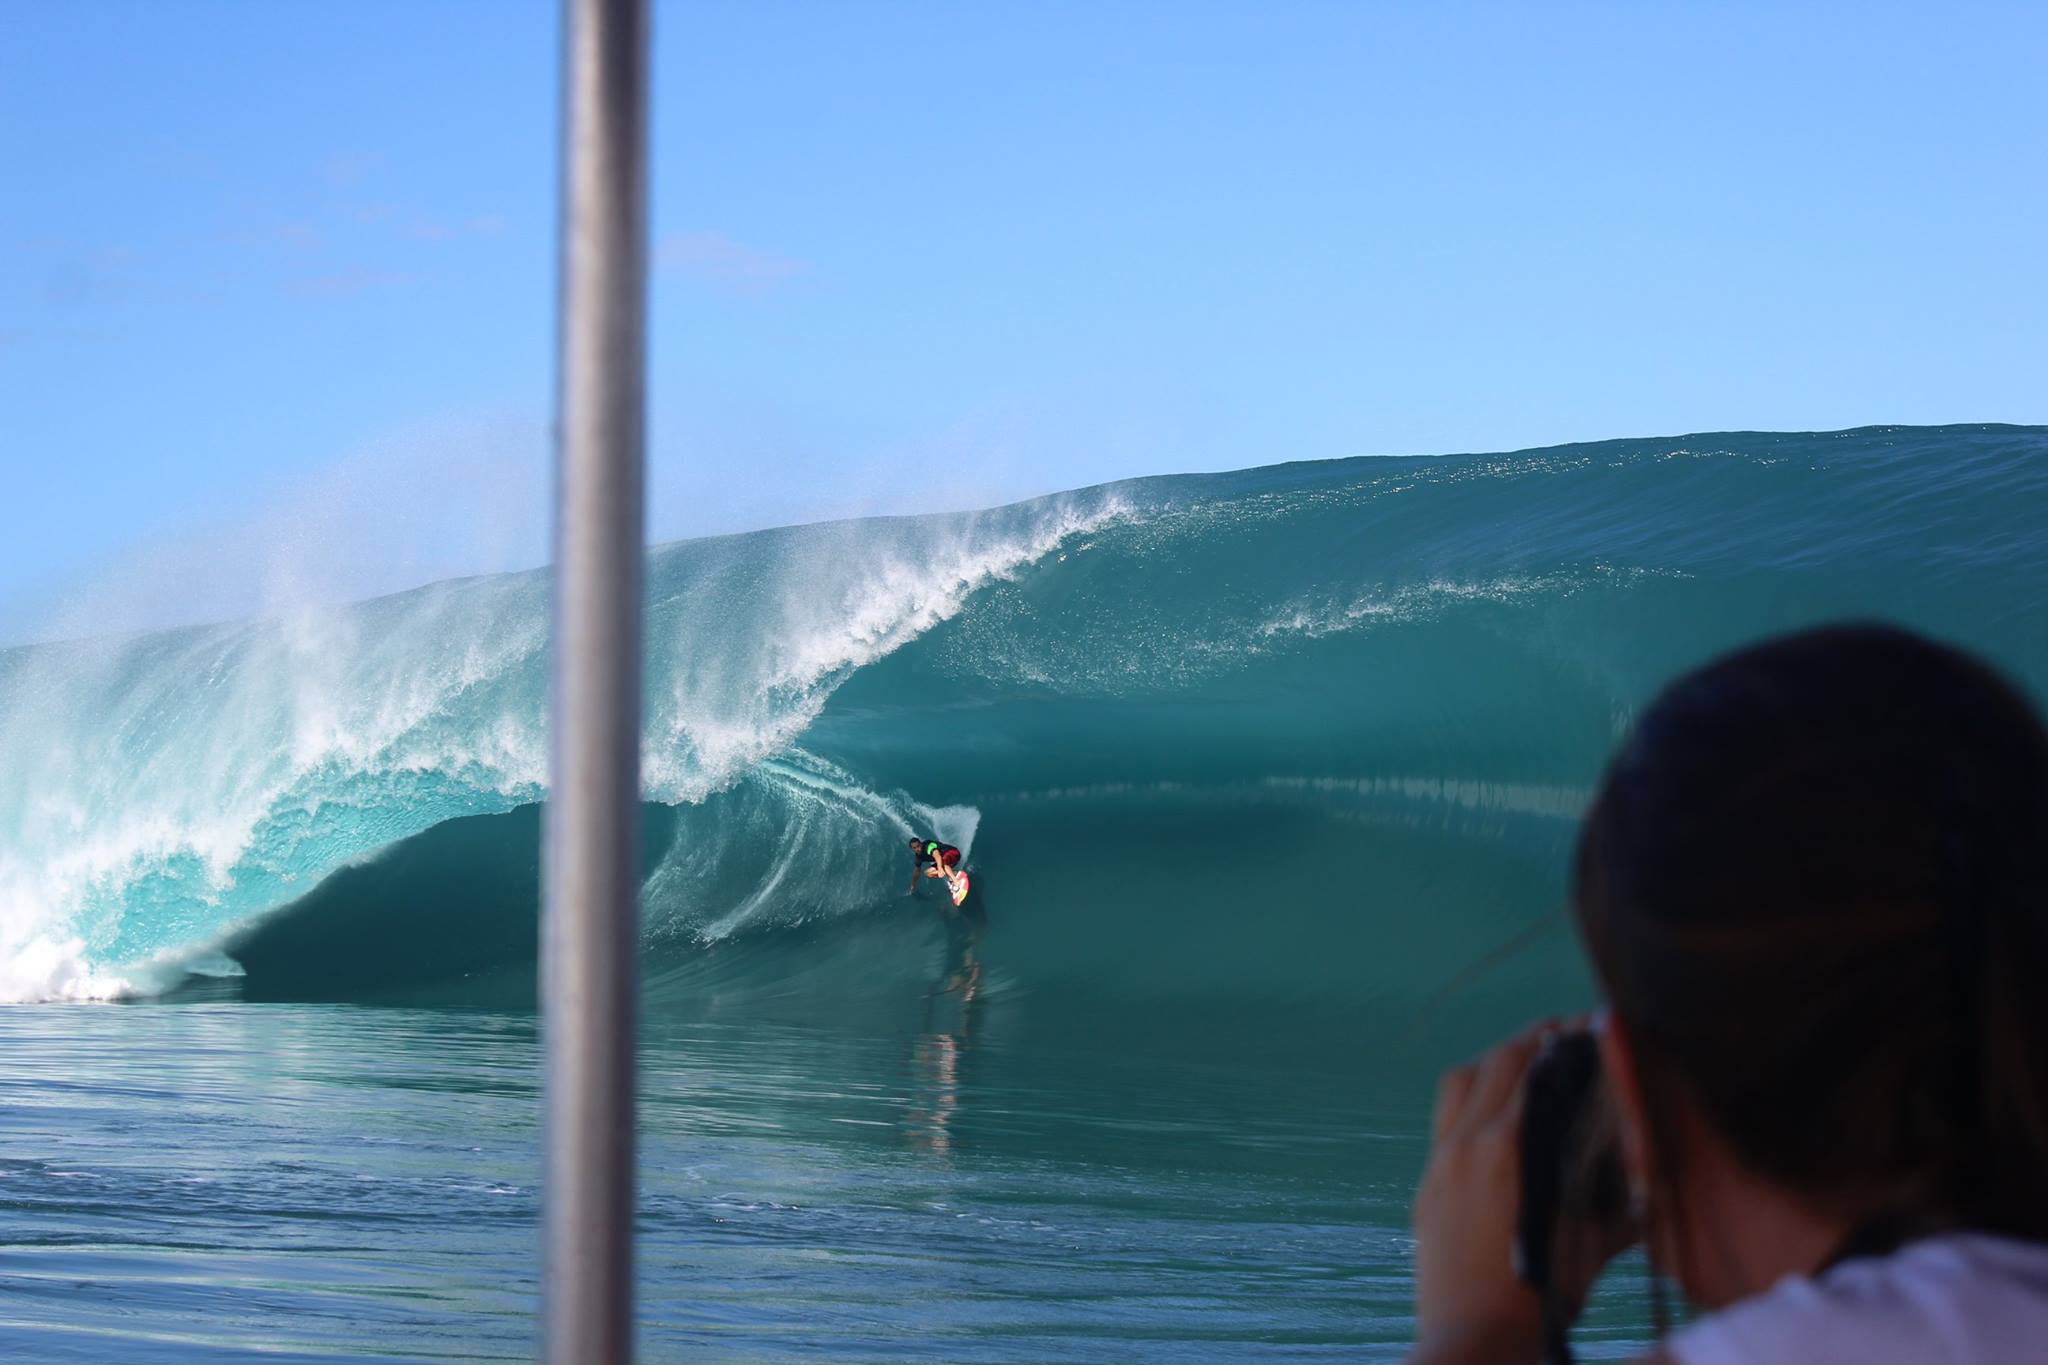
1267, 781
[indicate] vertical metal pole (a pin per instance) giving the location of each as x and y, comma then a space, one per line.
590, 932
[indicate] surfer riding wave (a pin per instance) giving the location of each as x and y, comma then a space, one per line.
931, 858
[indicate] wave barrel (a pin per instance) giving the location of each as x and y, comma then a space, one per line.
590, 856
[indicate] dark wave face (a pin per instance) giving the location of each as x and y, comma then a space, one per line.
1208, 740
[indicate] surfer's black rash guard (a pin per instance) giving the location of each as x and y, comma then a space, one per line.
932, 851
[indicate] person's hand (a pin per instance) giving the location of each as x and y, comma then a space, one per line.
1469, 1304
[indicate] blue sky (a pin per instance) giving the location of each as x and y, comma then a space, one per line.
289, 266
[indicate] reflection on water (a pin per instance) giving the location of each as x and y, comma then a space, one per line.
935, 1068
936, 1055
199, 1181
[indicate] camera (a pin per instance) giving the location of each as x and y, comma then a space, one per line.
1575, 1206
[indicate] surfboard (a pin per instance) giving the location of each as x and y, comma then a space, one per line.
958, 887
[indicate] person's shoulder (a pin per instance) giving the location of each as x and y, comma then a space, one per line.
1964, 1298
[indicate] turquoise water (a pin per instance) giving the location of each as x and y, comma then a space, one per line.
1252, 769
329, 1181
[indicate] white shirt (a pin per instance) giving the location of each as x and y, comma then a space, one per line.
1958, 1299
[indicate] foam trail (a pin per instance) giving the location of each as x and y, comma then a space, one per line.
833, 846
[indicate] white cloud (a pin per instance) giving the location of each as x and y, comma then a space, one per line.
717, 259
339, 283
345, 170
444, 230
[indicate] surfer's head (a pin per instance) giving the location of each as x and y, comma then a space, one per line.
916, 844
1814, 885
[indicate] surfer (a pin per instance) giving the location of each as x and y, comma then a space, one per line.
933, 859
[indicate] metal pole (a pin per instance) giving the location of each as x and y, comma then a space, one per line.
589, 984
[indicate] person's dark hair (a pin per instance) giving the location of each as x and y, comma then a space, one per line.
916, 842
1814, 885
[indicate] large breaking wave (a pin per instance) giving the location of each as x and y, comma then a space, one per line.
1307, 731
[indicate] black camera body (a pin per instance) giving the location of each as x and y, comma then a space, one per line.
1574, 1188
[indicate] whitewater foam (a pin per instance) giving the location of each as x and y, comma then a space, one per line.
164, 788
1422, 601
836, 598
